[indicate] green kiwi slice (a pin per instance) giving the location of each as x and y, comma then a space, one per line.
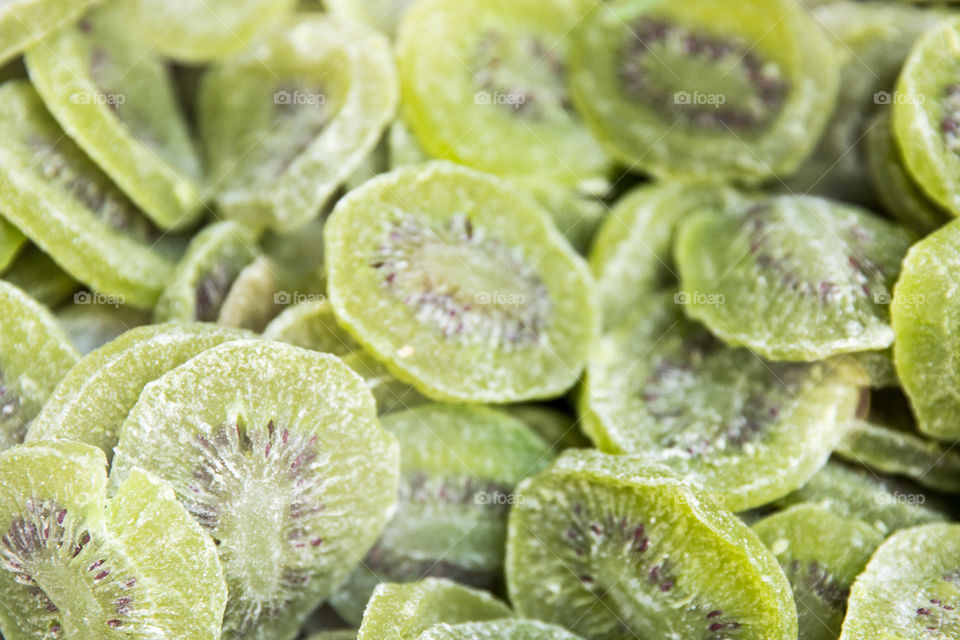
390, 393
40, 277
68, 208
91, 323
887, 441
204, 276
254, 298
881, 501
287, 122
83, 566
484, 78
924, 311
821, 553
608, 547
498, 630
116, 100
879, 368
577, 211
459, 466
910, 589
196, 32
694, 88
24, 23
631, 257
311, 325
277, 452
92, 401
404, 611
792, 278
926, 118
664, 388
34, 355
11, 242
895, 187
439, 261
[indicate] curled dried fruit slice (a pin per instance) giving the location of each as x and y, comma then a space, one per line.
287, 122
34, 355
277, 452
11, 242
611, 548
483, 79
404, 611
116, 100
195, 32
910, 589
39, 276
925, 310
498, 630
311, 325
696, 87
664, 388
459, 466
93, 399
821, 554
438, 261
81, 566
206, 273
66, 206
25, 23
792, 278
926, 114
254, 297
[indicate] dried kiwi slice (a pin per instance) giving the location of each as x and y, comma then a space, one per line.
90, 324
254, 297
910, 589
311, 325
925, 311
92, 401
483, 79
631, 257
66, 206
691, 88
116, 100
34, 355
277, 452
498, 630
821, 554
887, 441
204, 276
576, 211
40, 277
24, 23
459, 466
196, 32
611, 548
11, 242
81, 566
287, 122
926, 118
390, 393
557, 427
404, 611
383, 15
664, 388
792, 278
439, 261
879, 367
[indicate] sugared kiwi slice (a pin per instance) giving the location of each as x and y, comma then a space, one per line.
311, 325
461, 287
90, 324
11, 242
40, 277
206, 273
631, 257
611, 548
821, 553
910, 590
254, 298
288, 121
65, 205
696, 87
196, 32
879, 368
483, 79
791, 277
516, 629
887, 441
78, 565
277, 452
91, 402
664, 388
925, 311
404, 611
34, 355
24, 23
115, 99
577, 211
459, 466
926, 116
